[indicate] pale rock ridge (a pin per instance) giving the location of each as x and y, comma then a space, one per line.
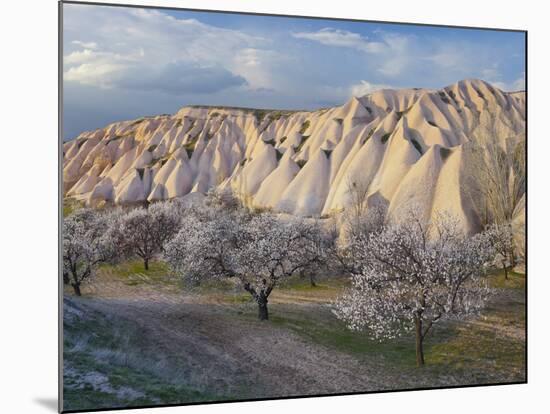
403, 146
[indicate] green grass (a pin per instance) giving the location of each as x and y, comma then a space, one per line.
70, 205
478, 347
301, 284
515, 280
332, 333
469, 350
133, 273
475, 350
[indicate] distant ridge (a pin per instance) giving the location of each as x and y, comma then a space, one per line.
405, 146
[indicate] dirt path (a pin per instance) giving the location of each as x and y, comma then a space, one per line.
218, 350
210, 345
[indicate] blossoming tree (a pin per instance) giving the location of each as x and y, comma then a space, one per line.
87, 242
413, 275
260, 250
144, 232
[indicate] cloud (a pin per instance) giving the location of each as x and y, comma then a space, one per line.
85, 45
341, 38
494, 76
182, 77
513, 86
149, 50
364, 88
392, 50
150, 61
519, 83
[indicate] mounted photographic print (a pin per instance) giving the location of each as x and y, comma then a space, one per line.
262, 206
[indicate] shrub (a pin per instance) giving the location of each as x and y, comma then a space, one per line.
190, 148
432, 123
259, 114
276, 115
283, 139
304, 127
339, 120
385, 138
301, 163
327, 152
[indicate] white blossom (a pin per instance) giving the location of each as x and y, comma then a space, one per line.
259, 250
412, 275
87, 242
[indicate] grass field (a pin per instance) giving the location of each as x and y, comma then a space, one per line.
141, 337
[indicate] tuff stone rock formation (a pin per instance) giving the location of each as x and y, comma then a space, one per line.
405, 146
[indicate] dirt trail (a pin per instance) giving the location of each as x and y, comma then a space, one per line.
219, 351
222, 349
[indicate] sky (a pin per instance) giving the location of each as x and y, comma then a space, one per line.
123, 63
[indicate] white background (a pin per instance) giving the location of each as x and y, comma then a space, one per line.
28, 188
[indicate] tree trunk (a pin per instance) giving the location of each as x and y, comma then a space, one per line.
312, 280
419, 341
76, 287
263, 314
505, 270
66, 279
146, 264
